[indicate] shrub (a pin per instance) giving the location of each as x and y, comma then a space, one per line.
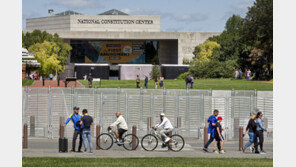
155, 72
183, 76
213, 69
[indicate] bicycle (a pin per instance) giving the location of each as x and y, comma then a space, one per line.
105, 140
150, 141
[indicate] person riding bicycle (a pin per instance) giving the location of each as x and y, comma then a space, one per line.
167, 128
121, 127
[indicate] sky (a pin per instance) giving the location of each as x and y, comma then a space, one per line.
176, 15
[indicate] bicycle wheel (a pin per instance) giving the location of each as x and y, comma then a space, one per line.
176, 143
104, 141
149, 142
128, 142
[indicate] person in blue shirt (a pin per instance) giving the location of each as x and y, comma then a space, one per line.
212, 124
260, 132
146, 81
75, 117
50, 76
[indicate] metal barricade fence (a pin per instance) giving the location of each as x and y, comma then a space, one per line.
45, 108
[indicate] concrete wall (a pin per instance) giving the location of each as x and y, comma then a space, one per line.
130, 71
168, 52
53, 23
103, 23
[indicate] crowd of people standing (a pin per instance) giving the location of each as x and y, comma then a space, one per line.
238, 74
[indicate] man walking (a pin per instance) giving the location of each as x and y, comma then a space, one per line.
188, 81
146, 81
212, 124
75, 117
86, 122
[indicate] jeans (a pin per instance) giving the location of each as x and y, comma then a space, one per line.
188, 85
209, 141
260, 134
76, 133
87, 135
164, 132
252, 139
146, 85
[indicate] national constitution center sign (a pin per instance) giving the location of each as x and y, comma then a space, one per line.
113, 21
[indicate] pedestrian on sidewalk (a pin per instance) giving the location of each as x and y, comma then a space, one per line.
218, 135
260, 129
251, 129
211, 129
75, 117
86, 122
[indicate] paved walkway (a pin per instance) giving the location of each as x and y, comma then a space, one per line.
49, 148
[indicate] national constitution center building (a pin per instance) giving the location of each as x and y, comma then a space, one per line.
115, 45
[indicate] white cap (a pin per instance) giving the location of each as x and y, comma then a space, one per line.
162, 114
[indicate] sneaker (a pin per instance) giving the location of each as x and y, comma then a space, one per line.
205, 150
163, 145
214, 150
217, 152
90, 151
243, 149
222, 152
72, 150
119, 143
257, 152
262, 152
167, 139
79, 151
252, 149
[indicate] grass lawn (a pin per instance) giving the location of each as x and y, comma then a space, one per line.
27, 82
215, 84
146, 162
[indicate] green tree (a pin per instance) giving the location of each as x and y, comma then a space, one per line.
37, 36
232, 46
46, 54
258, 32
204, 51
155, 72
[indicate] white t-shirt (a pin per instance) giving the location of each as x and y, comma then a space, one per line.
166, 123
120, 123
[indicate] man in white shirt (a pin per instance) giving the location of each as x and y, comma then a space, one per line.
167, 128
121, 127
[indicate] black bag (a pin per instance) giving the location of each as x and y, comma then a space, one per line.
63, 145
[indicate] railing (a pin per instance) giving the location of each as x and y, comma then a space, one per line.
190, 108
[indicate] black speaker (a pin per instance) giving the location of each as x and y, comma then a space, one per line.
63, 145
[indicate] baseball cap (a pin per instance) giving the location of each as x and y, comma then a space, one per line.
75, 108
162, 114
219, 118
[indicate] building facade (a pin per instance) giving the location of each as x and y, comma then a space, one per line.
121, 45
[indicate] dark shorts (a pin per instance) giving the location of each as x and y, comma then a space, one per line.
121, 132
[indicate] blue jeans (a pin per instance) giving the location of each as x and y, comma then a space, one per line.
253, 139
86, 134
